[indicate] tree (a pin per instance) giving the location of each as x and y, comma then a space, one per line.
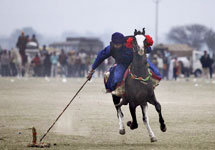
210, 40
192, 35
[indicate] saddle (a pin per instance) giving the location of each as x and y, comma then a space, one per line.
120, 88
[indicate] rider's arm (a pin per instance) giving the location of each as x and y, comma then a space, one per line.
102, 55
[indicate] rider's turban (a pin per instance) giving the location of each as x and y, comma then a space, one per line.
118, 38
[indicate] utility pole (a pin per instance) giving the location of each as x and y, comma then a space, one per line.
156, 21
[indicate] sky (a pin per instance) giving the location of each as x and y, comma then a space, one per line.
53, 17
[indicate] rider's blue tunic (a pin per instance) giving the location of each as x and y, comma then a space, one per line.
123, 58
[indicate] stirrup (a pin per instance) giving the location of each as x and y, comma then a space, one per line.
119, 91
106, 76
155, 82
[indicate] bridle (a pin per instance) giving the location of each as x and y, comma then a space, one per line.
135, 50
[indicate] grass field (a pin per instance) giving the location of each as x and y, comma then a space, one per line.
91, 123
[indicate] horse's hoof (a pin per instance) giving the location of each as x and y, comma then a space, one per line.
163, 128
132, 125
153, 139
122, 131
129, 123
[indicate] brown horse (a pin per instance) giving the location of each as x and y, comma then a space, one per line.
139, 88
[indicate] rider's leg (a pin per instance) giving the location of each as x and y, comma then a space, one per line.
116, 86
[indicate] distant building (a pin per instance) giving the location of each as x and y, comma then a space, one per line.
92, 45
179, 50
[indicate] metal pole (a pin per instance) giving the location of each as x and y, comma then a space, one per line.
63, 111
156, 21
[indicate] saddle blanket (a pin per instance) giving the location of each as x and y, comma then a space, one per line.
120, 88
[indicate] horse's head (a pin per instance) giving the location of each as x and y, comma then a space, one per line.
139, 43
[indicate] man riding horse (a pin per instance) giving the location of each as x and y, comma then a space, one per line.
138, 90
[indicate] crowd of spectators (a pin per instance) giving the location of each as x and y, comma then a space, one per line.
46, 63
71, 64
18, 62
172, 67
50, 64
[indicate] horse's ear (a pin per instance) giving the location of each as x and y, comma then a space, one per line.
143, 32
135, 32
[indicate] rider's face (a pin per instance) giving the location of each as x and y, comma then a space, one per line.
117, 46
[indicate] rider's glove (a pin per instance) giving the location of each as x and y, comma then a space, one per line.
90, 74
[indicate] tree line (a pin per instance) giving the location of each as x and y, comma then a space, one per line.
194, 35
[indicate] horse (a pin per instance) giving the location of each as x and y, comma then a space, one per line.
17, 60
23, 65
139, 89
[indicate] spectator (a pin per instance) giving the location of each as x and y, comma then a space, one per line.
71, 64
47, 65
0, 61
54, 62
21, 44
33, 39
63, 63
5, 62
213, 64
175, 68
166, 63
206, 64
83, 58
88, 62
211, 68
36, 65
27, 39
42, 66
155, 60
160, 64
78, 65
44, 51
186, 67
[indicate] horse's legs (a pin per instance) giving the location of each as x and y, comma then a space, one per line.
162, 124
158, 109
116, 100
133, 124
146, 122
